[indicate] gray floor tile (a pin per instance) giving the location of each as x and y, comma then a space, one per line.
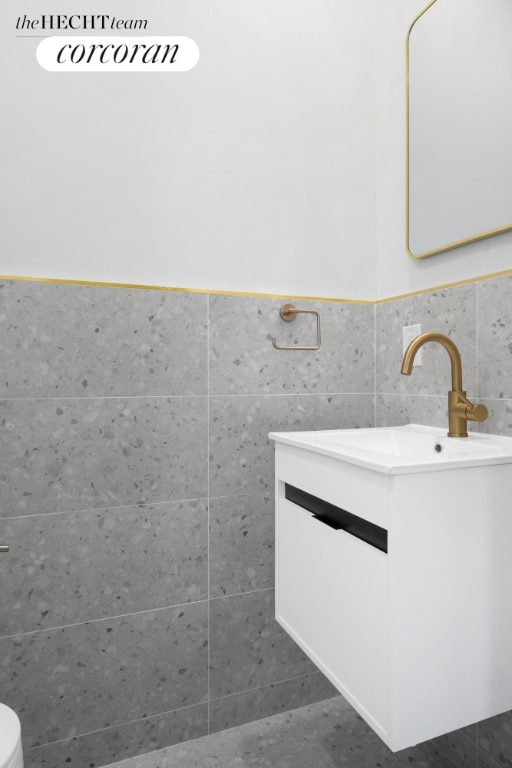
495, 738
135, 738
460, 746
262, 702
324, 735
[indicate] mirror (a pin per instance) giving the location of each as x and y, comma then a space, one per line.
459, 124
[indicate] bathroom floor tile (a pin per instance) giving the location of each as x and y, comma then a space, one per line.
495, 738
257, 703
325, 735
135, 738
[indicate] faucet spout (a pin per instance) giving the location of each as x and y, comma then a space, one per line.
460, 409
445, 342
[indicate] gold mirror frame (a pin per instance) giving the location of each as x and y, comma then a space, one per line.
457, 243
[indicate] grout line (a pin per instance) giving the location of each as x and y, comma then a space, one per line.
170, 711
141, 505
121, 725
179, 397
270, 492
89, 510
267, 685
103, 618
116, 616
240, 594
375, 366
102, 397
411, 395
444, 397
290, 394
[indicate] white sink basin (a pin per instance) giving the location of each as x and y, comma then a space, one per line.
400, 450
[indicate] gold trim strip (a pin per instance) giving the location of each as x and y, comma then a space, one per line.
444, 286
136, 286
142, 287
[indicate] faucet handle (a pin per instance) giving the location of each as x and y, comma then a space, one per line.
476, 412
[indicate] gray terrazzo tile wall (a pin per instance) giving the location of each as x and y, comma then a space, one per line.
136, 490
478, 316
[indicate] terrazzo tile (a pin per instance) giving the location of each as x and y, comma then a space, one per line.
121, 742
248, 648
241, 544
460, 746
499, 421
262, 702
70, 567
243, 360
193, 754
395, 410
79, 340
495, 337
452, 312
67, 455
328, 734
241, 455
105, 673
484, 761
495, 738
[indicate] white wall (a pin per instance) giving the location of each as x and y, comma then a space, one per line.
254, 172
396, 272
276, 166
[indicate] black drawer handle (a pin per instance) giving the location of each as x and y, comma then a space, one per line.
339, 519
326, 521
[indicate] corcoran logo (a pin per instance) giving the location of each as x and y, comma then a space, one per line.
117, 54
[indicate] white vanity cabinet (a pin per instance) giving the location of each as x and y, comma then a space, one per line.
405, 603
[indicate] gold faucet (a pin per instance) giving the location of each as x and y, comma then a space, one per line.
460, 409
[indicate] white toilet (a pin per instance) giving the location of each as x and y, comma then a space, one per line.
11, 755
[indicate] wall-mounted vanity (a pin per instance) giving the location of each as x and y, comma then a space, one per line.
394, 574
459, 123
